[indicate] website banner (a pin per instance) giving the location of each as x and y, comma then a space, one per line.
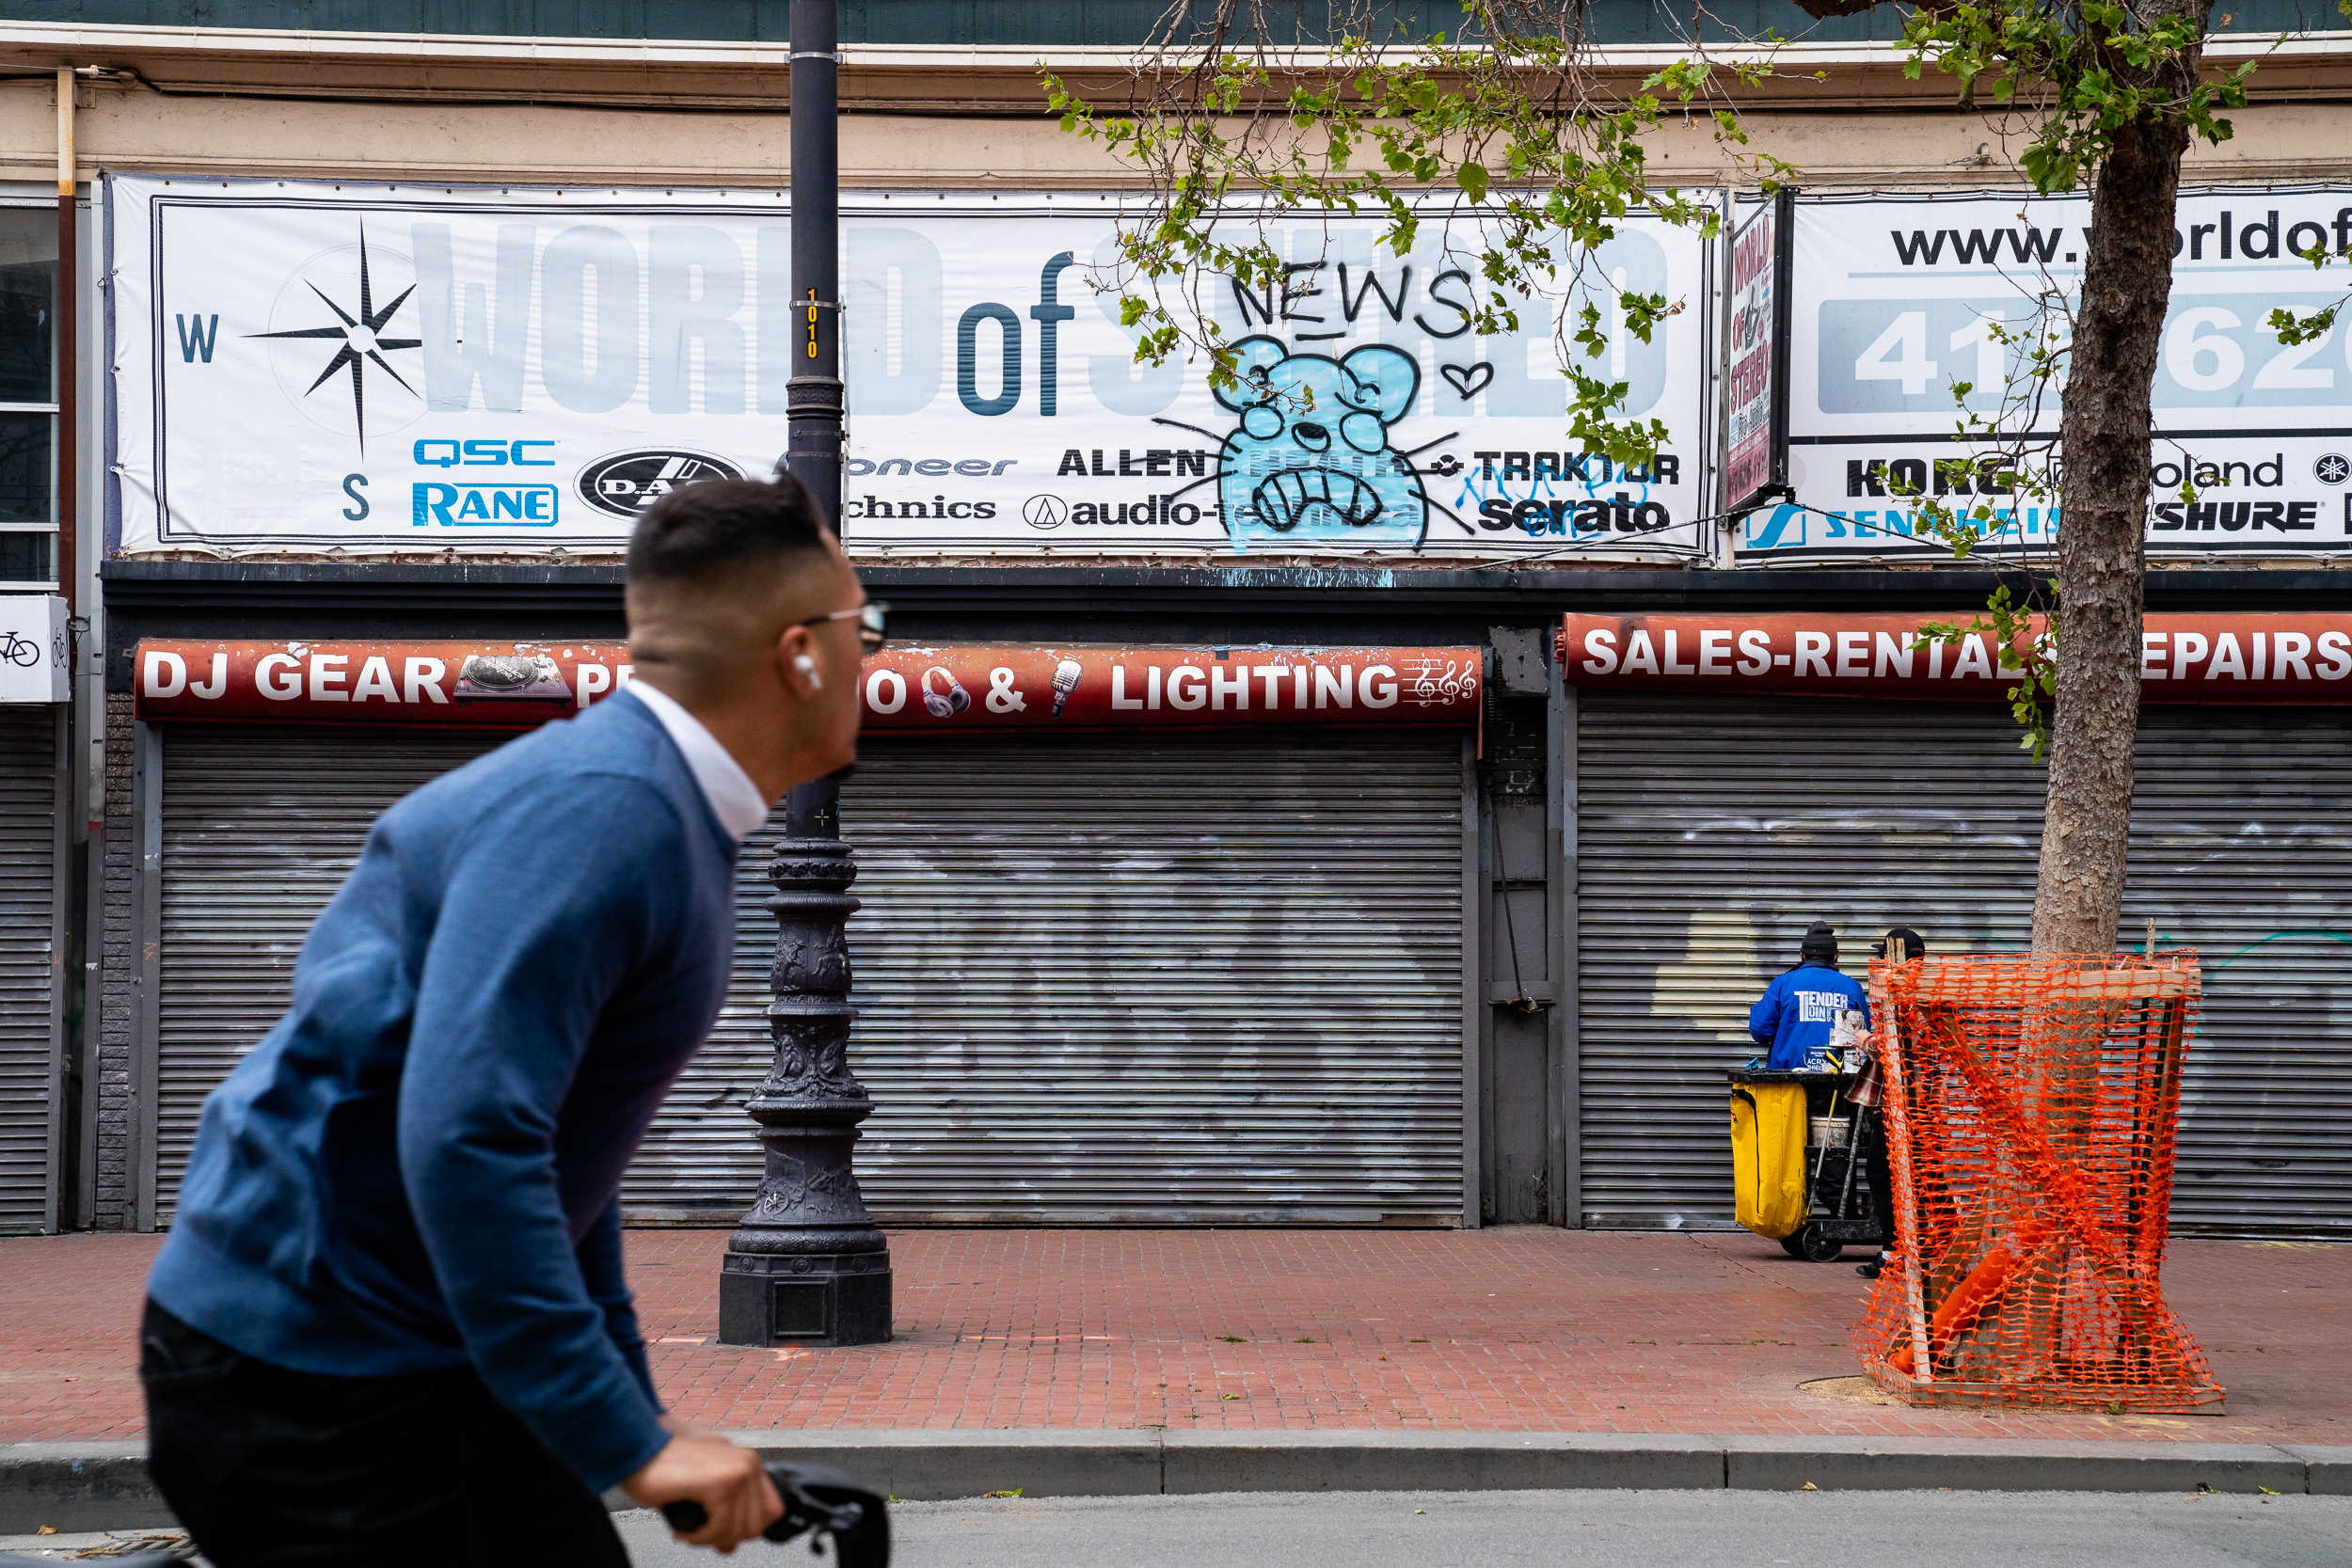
306, 368
1899, 301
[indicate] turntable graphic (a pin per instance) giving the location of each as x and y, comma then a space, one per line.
510, 678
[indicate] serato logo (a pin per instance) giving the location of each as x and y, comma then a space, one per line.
627, 483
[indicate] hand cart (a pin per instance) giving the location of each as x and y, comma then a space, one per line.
1836, 1209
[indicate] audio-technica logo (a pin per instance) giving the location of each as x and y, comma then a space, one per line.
627, 483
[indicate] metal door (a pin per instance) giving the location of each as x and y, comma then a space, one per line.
1188, 978
1101, 978
260, 828
32, 932
1710, 830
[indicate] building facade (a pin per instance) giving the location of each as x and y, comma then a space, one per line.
1358, 900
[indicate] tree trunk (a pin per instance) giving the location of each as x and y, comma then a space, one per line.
2104, 447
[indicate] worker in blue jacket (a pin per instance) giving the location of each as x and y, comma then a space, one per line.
1795, 1016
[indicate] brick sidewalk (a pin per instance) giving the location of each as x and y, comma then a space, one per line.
1495, 1330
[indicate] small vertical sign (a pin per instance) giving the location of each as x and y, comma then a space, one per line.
35, 661
1756, 417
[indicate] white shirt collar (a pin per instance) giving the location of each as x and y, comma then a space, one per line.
734, 799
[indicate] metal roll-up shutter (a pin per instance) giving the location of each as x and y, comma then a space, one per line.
1201, 978
29, 827
260, 828
1710, 832
2242, 848
1143, 980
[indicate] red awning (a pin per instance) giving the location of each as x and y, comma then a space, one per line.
946, 687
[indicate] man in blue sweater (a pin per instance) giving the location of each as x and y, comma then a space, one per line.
1795, 1016
390, 1324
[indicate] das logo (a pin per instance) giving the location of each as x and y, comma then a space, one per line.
627, 483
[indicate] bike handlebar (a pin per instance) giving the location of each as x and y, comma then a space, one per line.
816, 1497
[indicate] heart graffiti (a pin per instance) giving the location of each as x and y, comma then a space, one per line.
1469, 380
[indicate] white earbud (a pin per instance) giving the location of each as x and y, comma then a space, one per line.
807, 666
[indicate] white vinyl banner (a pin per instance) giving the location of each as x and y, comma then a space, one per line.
381, 367
1896, 300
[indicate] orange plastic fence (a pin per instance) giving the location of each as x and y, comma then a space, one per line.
2030, 1104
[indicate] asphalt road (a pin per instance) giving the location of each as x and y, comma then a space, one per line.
1594, 1530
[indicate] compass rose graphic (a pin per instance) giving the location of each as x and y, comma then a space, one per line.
358, 340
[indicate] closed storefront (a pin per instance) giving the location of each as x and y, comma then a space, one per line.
1213, 975
33, 813
1713, 826
260, 827
1150, 980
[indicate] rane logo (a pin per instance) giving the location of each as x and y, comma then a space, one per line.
627, 483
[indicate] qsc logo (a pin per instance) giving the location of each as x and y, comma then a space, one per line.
623, 484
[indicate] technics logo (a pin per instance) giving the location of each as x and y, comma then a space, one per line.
627, 483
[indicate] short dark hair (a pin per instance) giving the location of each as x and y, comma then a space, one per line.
714, 529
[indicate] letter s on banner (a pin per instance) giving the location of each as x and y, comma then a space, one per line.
265, 675
897, 685
2335, 652
1600, 648
159, 684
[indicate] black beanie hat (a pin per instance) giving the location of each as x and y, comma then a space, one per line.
1819, 943
1915, 945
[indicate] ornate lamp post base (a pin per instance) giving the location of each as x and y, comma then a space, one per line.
808, 1264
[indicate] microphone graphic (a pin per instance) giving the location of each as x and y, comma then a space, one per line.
1065, 681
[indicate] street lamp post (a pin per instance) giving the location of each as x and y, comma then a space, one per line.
808, 1263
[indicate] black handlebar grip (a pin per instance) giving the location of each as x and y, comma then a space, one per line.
686, 1515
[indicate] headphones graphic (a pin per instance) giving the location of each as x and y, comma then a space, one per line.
949, 704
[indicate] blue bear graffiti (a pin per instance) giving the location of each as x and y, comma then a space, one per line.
1311, 457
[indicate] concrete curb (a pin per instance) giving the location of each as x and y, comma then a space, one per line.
76, 1488
97, 1486
930, 1464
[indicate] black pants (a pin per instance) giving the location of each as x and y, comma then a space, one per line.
1880, 1174
267, 1467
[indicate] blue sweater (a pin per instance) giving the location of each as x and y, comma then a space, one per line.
1796, 1012
420, 1167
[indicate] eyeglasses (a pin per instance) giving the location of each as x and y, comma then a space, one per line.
871, 617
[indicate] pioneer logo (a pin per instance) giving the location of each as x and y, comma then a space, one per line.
627, 483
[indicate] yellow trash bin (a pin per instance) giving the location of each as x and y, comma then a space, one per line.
1768, 1158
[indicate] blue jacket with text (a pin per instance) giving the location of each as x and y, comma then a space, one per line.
1797, 1011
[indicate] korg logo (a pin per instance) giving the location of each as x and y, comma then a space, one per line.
623, 484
